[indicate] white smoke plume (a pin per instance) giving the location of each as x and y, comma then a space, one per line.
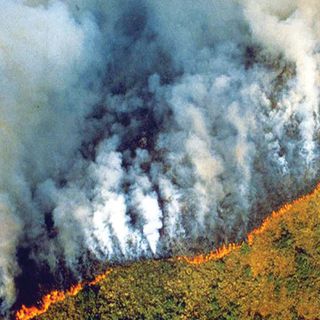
146, 128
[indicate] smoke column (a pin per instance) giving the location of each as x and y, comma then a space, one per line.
146, 128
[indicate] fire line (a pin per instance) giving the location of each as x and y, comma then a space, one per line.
28, 313
55, 296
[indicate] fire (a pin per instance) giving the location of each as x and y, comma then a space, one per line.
28, 313
214, 255
99, 278
226, 249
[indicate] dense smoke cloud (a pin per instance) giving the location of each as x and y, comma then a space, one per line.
144, 128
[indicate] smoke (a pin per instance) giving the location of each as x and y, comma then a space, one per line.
135, 129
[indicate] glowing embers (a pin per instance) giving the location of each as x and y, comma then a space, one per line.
28, 313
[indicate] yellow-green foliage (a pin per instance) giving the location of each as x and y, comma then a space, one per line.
278, 277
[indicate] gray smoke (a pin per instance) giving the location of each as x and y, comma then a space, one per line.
149, 128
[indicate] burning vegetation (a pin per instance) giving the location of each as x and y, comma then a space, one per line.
136, 130
55, 296
275, 274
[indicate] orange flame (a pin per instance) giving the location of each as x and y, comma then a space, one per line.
226, 249
214, 255
28, 313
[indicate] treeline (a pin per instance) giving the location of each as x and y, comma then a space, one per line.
277, 277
